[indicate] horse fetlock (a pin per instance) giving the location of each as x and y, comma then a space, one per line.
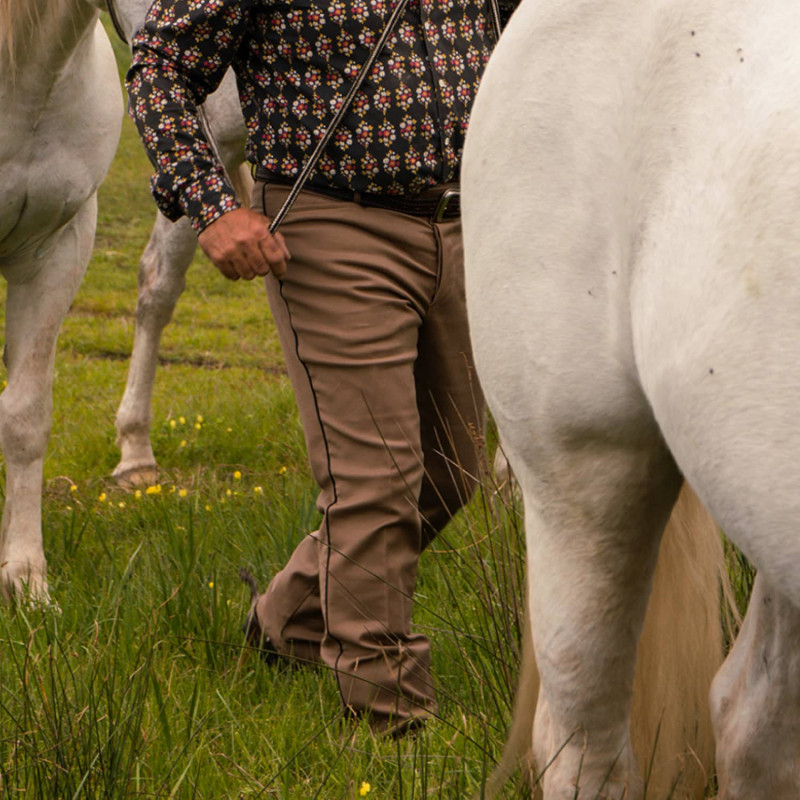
577, 779
137, 463
573, 768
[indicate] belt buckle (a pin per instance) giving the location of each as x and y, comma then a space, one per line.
444, 202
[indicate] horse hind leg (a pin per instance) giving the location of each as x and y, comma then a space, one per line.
679, 652
755, 699
162, 279
593, 529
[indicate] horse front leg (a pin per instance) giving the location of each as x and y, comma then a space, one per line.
162, 279
40, 292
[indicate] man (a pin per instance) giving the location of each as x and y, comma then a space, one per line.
365, 285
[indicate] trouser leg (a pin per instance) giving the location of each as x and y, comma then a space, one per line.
351, 312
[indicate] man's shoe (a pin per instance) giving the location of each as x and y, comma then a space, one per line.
253, 634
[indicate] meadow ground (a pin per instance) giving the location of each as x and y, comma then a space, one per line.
141, 686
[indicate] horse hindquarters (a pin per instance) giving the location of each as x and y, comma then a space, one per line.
548, 254
598, 486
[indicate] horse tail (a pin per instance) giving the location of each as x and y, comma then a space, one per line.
680, 650
242, 182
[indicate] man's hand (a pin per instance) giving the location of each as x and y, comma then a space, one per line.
241, 246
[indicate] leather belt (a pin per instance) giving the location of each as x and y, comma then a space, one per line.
437, 204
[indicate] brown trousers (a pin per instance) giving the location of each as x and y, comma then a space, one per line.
372, 321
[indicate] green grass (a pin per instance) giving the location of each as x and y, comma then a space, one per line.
140, 686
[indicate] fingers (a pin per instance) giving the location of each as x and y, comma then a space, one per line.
275, 253
240, 246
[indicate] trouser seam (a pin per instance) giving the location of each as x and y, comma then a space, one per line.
326, 516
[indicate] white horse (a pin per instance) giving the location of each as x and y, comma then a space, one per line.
60, 118
162, 270
632, 197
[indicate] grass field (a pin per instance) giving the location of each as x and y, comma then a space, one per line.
140, 685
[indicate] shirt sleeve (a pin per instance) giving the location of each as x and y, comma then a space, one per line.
179, 57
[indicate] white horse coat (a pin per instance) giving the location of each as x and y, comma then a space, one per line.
632, 215
60, 118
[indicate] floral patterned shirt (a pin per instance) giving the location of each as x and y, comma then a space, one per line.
294, 62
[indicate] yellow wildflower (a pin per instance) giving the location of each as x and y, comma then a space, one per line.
172, 423
365, 789
258, 490
182, 493
208, 507
199, 417
137, 494
183, 443
229, 492
73, 487
153, 489
182, 420
283, 470
102, 497
237, 475
211, 584
122, 505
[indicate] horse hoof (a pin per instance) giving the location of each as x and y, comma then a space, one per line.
136, 477
30, 591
